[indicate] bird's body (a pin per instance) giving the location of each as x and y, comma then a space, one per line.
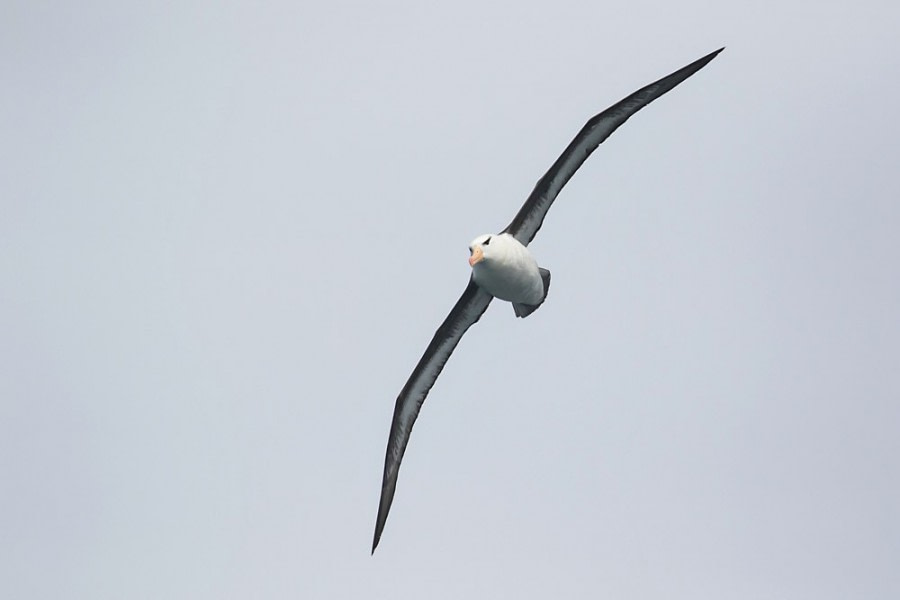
503, 267
507, 270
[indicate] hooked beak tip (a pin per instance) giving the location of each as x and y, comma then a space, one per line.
477, 256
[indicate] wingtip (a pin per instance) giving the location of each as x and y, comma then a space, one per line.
379, 527
700, 63
711, 55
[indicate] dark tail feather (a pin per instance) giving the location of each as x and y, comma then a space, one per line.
523, 310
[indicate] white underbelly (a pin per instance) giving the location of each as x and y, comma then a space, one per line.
515, 279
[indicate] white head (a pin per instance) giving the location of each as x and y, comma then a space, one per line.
480, 249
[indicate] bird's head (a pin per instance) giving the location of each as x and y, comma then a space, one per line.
480, 249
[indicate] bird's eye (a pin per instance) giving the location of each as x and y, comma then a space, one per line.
487, 241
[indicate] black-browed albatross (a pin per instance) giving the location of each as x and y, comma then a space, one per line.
503, 267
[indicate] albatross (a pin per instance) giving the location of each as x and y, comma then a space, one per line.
503, 267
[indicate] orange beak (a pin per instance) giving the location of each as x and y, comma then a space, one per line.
477, 256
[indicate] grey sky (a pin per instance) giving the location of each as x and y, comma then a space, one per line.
229, 231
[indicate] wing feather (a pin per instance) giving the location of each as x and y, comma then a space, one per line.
528, 220
468, 309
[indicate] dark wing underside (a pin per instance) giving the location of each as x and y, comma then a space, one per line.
468, 309
530, 217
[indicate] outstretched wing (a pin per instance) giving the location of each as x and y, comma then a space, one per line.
468, 309
530, 217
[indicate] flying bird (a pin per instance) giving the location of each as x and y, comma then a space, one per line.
502, 267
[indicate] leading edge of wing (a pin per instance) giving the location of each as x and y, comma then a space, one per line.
465, 313
528, 220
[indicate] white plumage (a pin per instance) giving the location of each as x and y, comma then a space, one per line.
507, 270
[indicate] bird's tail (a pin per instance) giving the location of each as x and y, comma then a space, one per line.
523, 310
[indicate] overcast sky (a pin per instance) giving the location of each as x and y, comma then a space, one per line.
229, 230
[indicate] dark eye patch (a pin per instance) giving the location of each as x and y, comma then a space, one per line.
487, 241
